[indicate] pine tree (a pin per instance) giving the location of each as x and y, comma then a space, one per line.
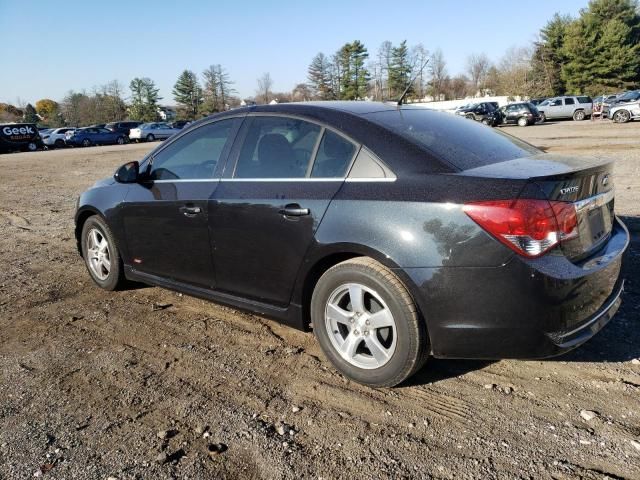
188, 94
602, 48
319, 75
144, 100
549, 57
353, 73
399, 70
30, 115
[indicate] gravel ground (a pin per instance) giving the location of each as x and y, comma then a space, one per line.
147, 383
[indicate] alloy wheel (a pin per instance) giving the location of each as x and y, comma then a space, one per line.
621, 116
360, 326
98, 255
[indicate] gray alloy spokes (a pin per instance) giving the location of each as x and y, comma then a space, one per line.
360, 325
98, 256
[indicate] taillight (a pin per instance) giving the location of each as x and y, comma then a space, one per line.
528, 227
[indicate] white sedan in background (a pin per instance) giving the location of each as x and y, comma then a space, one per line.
56, 138
152, 131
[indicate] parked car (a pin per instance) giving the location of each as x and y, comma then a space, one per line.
394, 232
123, 127
578, 108
44, 131
522, 114
89, 136
56, 138
624, 99
152, 131
19, 137
484, 112
622, 113
537, 101
180, 124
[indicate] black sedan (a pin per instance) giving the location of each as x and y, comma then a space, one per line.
86, 137
484, 112
395, 233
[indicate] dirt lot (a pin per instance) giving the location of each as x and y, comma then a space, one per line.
97, 385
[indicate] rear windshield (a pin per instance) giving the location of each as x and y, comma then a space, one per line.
459, 142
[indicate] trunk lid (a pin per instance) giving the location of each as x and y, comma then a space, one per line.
585, 182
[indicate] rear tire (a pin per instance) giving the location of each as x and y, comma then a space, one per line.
120, 140
485, 121
150, 138
97, 255
579, 115
59, 143
621, 116
377, 337
523, 122
86, 142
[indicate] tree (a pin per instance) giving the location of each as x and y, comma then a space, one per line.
188, 94
217, 89
30, 115
602, 47
144, 100
46, 108
515, 77
420, 58
549, 57
438, 72
354, 75
319, 76
264, 93
9, 113
478, 66
301, 93
399, 70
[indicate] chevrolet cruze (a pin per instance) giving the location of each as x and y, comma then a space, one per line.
393, 232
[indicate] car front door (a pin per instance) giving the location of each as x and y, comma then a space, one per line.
555, 108
165, 215
282, 174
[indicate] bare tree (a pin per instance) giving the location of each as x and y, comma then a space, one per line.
515, 71
419, 56
265, 84
438, 72
478, 65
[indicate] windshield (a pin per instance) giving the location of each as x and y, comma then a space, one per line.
457, 141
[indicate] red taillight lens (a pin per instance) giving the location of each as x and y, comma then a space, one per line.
529, 227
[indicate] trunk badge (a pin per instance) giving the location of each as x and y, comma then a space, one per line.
564, 191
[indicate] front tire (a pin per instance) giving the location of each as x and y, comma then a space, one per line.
120, 140
621, 116
86, 142
367, 323
523, 122
59, 143
101, 254
150, 137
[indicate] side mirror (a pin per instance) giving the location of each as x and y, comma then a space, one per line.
128, 173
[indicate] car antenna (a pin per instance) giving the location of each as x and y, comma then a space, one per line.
406, 90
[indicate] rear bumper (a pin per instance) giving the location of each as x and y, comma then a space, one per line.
524, 309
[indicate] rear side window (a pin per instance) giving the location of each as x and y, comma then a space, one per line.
569, 101
334, 156
452, 139
277, 147
194, 155
584, 99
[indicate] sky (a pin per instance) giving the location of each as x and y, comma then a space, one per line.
50, 48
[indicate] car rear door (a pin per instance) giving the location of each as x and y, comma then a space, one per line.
165, 216
281, 176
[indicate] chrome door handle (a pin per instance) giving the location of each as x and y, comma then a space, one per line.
294, 210
190, 211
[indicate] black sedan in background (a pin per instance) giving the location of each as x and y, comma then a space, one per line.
484, 112
86, 137
394, 233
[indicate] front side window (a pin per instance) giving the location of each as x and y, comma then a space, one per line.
194, 155
277, 147
556, 103
334, 156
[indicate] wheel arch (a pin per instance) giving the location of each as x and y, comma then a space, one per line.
323, 260
81, 217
